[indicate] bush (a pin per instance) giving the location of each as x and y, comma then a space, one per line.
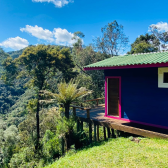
51, 146
25, 158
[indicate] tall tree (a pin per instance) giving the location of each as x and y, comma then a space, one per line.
77, 46
162, 36
145, 43
113, 40
39, 63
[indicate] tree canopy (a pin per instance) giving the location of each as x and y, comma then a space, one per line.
161, 35
39, 63
145, 43
113, 40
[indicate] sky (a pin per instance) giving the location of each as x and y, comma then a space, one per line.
31, 22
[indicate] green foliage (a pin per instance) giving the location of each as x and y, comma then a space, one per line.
92, 80
8, 140
16, 54
51, 146
69, 92
65, 125
17, 113
3, 56
39, 63
10, 70
145, 43
26, 158
143, 47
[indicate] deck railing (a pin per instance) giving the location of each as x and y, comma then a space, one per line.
97, 100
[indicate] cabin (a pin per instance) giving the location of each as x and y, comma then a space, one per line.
136, 88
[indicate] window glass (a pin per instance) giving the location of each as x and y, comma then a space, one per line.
165, 77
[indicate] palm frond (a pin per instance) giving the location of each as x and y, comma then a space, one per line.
68, 92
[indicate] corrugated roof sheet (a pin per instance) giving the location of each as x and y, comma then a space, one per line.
132, 59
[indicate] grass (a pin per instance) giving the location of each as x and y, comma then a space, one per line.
119, 152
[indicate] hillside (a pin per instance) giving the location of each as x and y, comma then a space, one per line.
120, 152
9, 94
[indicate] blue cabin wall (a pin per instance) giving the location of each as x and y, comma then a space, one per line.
141, 99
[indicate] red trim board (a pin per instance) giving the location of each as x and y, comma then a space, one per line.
128, 66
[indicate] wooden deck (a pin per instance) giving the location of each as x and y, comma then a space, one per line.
97, 117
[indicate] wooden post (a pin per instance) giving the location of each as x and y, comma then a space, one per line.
63, 143
97, 132
104, 130
108, 131
77, 125
113, 134
97, 102
118, 133
81, 126
94, 132
88, 113
74, 111
90, 132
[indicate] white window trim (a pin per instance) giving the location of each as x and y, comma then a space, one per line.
160, 77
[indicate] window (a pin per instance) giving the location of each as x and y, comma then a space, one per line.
163, 77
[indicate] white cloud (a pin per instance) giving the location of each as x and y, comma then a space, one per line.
63, 37
16, 43
162, 26
58, 35
39, 32
57, 3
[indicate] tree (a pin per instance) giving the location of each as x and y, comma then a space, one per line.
3, 56
145, 43
68, 93
161, 35
39, 63
77, 46
113, 40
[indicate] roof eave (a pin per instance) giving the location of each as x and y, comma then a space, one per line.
128, 66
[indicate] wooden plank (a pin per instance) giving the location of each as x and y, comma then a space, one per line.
79, 107
78, 125
94, 132
97, 132
113, 134
88, 113
104, 131
108, 131
74, 111
118, 133
81, 126
90, 132
95, 99
129, 129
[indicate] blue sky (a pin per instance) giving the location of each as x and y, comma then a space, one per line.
25, 22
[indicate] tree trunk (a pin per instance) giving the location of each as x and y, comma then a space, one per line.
37, 124
67, 110
68, 135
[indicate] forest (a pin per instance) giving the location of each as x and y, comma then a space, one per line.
37, 80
